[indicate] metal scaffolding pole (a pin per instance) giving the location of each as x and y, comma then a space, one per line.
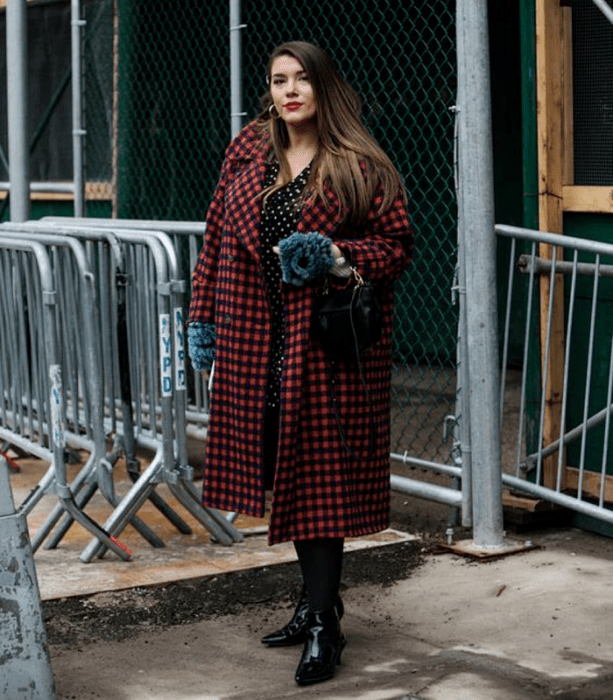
17, 97
236, 68
477, 238
78, 133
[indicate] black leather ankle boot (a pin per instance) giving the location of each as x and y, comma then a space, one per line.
295, 631
322, 649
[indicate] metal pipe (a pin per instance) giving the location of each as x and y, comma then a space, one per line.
431, 492
153, 226
565, 382
50, 187
236, 68
605, 8
554, 239
560, 499
528, 464
17, 102
78, 133
462, 439
461, 449
447, 469
607, 430
476, 234
545, 363
563, 267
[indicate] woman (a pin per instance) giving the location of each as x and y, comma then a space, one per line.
305, 196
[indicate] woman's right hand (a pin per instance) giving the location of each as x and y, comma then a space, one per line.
304, 256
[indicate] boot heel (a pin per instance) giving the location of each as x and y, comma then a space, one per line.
340, 651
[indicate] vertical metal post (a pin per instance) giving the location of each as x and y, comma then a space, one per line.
236, 68
78, 133
476, 204
16, 83
462, 446
24, 658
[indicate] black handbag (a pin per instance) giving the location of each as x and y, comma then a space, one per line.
347, 321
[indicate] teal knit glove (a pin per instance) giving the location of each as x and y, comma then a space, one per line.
305, 256
201, 345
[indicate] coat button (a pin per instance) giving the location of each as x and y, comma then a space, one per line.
230, 258
227, 319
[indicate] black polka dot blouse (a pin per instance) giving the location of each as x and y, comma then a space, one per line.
279, 218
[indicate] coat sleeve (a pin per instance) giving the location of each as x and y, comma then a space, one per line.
204, 276
385, 247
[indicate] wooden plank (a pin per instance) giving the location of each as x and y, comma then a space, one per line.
550, 100
598, 200
102, 191
526, 503
591, 484
3, 3
94, 191
550, 53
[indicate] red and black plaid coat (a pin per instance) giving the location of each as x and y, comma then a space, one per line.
326, 484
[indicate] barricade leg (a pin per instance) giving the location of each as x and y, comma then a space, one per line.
158, 502
211, 518
25, 668
130, 504
220, 532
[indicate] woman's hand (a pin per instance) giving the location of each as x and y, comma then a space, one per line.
305, 256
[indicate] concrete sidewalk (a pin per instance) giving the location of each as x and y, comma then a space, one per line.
529, 626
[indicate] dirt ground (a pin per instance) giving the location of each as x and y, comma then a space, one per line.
75, 622
121, 615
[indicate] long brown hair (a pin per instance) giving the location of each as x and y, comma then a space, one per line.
348, 159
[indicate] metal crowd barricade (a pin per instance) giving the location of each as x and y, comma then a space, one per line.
156, 292
33, 412
573, 468
186, 237
160, 440
81, 338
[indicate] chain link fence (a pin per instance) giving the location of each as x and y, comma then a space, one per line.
156, 92
172, 103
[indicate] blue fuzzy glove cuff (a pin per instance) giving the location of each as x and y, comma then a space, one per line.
305, 256
201, 345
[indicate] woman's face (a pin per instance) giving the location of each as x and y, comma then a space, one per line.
292, 92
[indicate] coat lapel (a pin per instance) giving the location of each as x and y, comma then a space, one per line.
247, 156
244, 205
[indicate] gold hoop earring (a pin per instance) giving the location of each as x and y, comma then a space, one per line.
275, 114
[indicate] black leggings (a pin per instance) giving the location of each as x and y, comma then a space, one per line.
321, 563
